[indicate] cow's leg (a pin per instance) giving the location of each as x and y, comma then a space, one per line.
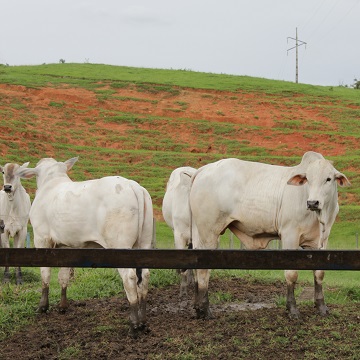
205, 239
291, 277
201, 294
187, 278
190, 277
189, 273
181, 242
19, 243
6, 278
142, 291
318, 293
5, 244
19, 279
44, 301
63, 278
290, 241
183, 283
129, 279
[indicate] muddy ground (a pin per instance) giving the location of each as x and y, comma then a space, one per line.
248, 325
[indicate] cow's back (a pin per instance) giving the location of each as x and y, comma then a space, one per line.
79, 214
175, 205
242, 190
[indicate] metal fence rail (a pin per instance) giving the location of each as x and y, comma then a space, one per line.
183, 259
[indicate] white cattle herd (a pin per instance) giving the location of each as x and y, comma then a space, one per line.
257, 202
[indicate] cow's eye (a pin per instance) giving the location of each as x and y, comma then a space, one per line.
328, 179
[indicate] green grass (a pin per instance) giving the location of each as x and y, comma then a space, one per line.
18, 304
89, 74
149, 155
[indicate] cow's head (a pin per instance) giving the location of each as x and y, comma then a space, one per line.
322, 179
45, 169
11, 180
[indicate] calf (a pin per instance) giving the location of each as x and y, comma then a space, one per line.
14, 212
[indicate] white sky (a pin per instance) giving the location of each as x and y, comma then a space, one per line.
240, 37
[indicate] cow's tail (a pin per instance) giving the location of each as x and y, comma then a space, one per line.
143, 207
190, 246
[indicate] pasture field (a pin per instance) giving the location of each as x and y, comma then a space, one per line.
141, 124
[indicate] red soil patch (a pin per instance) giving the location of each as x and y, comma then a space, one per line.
256, 109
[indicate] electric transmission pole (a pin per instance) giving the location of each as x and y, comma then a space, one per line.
297, 44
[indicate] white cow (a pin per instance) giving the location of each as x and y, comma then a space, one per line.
14, 212
176, 213
111, 212
257, 203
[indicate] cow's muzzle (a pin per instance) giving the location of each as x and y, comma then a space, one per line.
7, 188
313, 205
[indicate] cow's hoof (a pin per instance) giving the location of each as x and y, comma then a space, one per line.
62, 310
42, 309
136, 330
183, 292
144, 328
294, 313
295, 316
323, 310
204, 314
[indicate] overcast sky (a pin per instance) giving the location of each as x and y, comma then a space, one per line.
240, 37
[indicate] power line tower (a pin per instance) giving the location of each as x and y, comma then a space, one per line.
297, 44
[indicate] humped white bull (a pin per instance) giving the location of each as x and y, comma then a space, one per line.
111, 212
14, 212
259, 202
176, 213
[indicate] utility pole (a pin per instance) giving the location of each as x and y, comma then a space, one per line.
297, 44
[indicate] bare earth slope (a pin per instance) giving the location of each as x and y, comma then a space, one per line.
266, 114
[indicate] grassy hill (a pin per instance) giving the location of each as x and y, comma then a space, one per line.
143, 123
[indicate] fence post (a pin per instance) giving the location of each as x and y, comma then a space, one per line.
28, 240
231, 245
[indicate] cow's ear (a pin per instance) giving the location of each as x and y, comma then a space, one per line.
70, 163
26, 173
342, 180
25, 165
297, 180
